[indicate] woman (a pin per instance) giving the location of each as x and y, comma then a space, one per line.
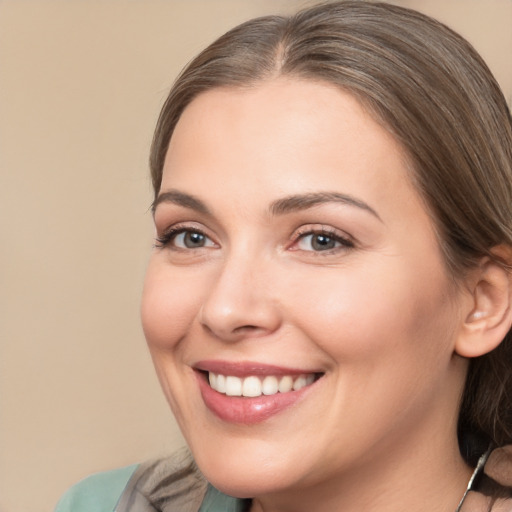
328, 301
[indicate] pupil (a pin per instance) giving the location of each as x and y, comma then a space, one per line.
322, 242
194, 239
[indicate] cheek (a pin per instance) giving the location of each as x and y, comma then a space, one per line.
169, 306
170, 302
388, 337
382, 311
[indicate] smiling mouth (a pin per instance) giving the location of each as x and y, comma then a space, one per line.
250, 393
253, 386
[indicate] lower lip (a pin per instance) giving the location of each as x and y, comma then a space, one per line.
245, 410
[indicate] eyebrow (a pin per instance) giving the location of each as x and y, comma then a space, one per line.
180, 199
281, 206
304, 201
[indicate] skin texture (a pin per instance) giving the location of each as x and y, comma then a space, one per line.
378, 315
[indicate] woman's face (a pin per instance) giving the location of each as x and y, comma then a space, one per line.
294, 252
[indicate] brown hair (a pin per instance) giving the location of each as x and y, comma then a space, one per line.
434, 93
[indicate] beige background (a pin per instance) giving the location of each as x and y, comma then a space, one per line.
81, 83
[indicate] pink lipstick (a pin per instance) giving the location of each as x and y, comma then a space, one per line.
249, 392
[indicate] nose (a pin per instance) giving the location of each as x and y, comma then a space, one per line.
241, 302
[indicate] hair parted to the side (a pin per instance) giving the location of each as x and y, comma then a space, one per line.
433, 92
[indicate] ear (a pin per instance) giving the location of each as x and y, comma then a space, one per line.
490, 317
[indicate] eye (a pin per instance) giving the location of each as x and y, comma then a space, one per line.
322, 240
191, 240
183, 238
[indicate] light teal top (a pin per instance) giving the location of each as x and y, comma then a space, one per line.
101, 493
96, 493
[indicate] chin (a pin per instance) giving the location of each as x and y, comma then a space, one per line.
246, 472
244, 482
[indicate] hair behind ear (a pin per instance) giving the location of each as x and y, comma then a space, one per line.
486, 410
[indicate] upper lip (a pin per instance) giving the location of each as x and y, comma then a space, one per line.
247, 368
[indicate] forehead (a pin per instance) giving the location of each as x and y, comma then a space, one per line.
279, 124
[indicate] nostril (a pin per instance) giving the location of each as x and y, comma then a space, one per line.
237, 331
246, 328
249, 331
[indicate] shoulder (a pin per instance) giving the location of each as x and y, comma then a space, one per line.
97, 493
171, 483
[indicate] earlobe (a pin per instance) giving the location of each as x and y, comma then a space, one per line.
490, 317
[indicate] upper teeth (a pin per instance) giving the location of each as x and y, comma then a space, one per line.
256, 386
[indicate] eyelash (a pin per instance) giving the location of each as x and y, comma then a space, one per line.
168, 236
345, 243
